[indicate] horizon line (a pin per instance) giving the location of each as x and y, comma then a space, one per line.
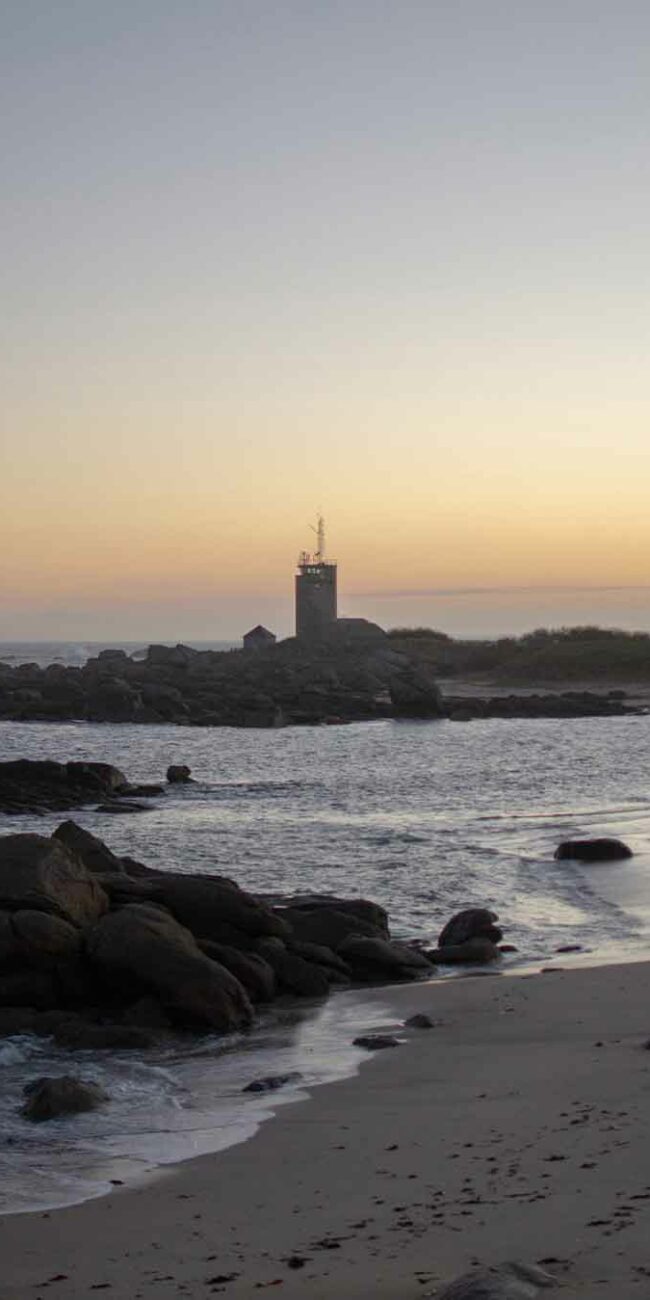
405, 593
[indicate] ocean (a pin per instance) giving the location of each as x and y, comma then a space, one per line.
423, 817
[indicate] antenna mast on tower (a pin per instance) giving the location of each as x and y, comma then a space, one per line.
319, 530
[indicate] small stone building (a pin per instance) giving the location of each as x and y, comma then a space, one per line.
259, 638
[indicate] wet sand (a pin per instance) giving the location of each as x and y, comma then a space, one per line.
516, 1128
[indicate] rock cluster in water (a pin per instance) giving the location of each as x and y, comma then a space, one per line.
101, 951
355, 673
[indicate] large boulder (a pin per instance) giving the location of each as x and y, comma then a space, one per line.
204, 903
249, 968
28, 988
95, 855
305, 979
143, 949
375, 959
37, 940
596, 850
38, 873
473, 952
179, 774
41, 783
49, 1098
328, 926
360, 908
472, 923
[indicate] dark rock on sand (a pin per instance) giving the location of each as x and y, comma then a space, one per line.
322, 956
375, 1042
472, 923
596, 850
179, 774
502, 1282
420, 1021
294, 975
256, 975
271, 1082
48, 1098
42, 874
376, 959
472, 952
141, 946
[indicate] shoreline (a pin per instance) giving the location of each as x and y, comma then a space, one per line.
513, 1129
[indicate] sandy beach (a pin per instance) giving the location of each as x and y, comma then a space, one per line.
516, 1128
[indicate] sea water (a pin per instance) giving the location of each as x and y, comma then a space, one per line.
423, 817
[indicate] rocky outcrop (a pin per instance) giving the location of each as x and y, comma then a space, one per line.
33, 785
353, 673
179, 774
532, 704
39, 873
473, 952
100, 951
205, 903
595, 850
37, 940
472, 923
48, 1098
144, 949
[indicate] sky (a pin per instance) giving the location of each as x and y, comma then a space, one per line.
265, 257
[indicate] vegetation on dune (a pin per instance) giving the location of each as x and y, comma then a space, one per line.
545, 655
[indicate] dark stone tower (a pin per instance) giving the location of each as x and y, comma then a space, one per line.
315, 591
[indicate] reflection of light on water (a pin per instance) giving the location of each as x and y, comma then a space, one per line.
423, 818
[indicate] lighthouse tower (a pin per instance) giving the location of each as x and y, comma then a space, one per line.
315, 590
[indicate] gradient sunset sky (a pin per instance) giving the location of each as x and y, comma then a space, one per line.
390, 260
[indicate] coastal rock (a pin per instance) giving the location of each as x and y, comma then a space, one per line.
302, 978
179, 774
95, 855
472, 923
28, 988
37, 940
593, 850
328, 926
503, 1282
374, 959
28, 784
49, 1098
322, 956
474, 952
362, 909
141, 945
249, 968
420, 1021
42, 874
375, 1042
17, 1020
78, 1035
271, 1082
204, 903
